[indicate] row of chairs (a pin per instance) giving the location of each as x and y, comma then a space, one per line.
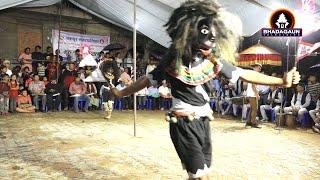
306, 121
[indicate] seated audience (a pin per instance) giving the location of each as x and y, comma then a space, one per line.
313, 114
274, 101
93, 95
300, 102
78, 90
127, 99
141, 98
165, 94
14, 93
153, 94
225, 97
53, 93
36, 88
4, 95
24, 103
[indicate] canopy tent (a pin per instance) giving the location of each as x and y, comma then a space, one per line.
153, 14
261, 54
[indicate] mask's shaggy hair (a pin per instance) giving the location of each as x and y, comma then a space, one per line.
182, 27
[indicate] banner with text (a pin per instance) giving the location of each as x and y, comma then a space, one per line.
69, 42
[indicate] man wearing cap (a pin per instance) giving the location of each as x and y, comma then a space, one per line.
7, 63
300, 102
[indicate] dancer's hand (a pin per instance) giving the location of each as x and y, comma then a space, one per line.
291, 77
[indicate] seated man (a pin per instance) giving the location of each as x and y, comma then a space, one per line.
274, 100
126, 99
315, 115
37, 88
153, 94
53, 90
24, 103
226, 94
78, 90
300, 102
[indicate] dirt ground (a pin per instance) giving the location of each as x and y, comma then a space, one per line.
66, 145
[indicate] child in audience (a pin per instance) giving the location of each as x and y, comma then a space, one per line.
25, 103
4, 95
13, 93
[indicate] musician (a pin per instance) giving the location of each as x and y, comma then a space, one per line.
274, 100
226, 94
300, 102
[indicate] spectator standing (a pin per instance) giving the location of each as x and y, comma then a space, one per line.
66, 78
128, 61
13, 94
53, 68
118, 59
26, 59
4, 95
36, 55
48, 53
151, 65
41, 69
7, 64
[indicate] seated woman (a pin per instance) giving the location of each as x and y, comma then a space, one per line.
25, 103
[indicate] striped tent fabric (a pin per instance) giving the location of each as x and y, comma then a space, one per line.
261, 54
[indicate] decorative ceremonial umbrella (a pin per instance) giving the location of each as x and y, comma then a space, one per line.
114, 46
261, 54
309, 51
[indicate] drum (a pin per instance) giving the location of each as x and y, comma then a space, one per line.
290, 121
240, 100
280, 121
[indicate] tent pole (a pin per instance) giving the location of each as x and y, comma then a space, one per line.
134, 64
58, 53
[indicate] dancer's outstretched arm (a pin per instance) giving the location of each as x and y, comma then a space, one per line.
135, 87
289, 78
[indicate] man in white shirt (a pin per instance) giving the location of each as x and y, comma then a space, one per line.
274, 101
252, 94
165, 95
300, 102
141, 98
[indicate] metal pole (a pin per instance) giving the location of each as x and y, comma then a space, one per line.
58, 53
134, 65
